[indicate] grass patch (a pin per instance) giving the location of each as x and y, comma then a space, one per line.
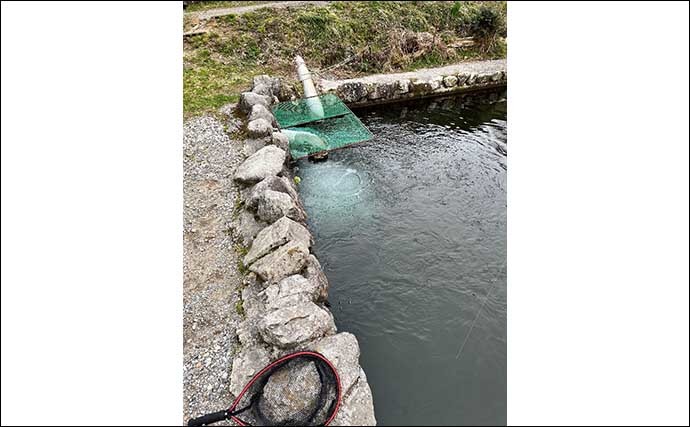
241, 252
239, 307
199, 6
338, 40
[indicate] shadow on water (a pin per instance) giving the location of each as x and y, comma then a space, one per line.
411, 230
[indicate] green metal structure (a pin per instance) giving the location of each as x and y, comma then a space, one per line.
311, 132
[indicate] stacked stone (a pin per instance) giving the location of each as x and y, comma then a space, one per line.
285, 291
410, 85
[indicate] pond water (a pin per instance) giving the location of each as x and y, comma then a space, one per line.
411, 231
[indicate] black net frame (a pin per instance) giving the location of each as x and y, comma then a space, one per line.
316, 408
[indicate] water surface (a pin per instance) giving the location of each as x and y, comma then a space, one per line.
411, 231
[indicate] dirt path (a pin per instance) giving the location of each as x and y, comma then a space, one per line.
212, 13
211, 279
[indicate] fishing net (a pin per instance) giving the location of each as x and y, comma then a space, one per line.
301, 389
293, 113
311, 133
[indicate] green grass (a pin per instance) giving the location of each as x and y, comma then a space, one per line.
239, 307
376, 37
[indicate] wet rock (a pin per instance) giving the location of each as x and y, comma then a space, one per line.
285, 261
358, 406
352, 92
259, 127
343, 351
291, 291
261, 112
274, 205
249, 99
265, 162
277, 234
290, 326
280, 140
245, 365
245, 227
275, 183
315, 275
291, 391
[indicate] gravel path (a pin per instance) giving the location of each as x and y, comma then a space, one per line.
212, 13
211, 278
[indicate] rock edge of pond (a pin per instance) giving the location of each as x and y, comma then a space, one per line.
423, 83
284, 291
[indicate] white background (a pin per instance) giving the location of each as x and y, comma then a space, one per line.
92, 213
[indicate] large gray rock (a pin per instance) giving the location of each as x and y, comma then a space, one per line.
265, 162
357, 408
261, 112
290, 326
274, 205
280, 140
266, 85
245, 227
258, 128
245, 365
285, 261
253, 145
291, 291
262, 89
277, 234
250, 99
315, 275
275, 183
292, 390
343, 351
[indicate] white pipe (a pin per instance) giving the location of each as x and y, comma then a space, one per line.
313, 101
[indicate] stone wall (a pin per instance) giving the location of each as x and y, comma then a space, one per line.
285, 291
383, 88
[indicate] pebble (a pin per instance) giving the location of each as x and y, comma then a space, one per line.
210, 277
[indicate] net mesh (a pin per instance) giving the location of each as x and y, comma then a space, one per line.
293, 113
333, 133
337, 128
301, 391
